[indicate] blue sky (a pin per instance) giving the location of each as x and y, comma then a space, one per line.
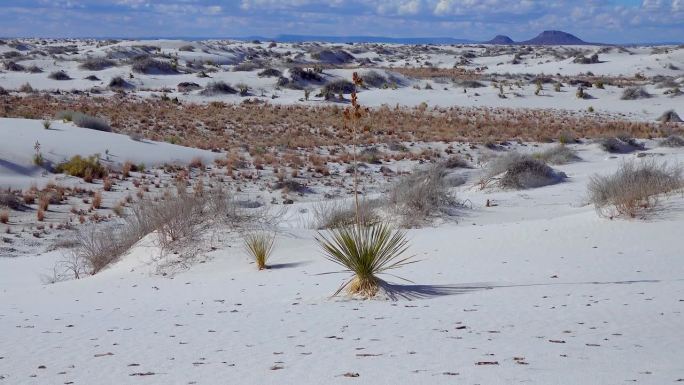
617, 21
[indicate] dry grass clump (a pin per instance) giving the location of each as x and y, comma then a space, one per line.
218, 125
4, 216
635, 93
634, 188
218, 88
366, 252
259, 246
520, 171
421, 195
621, 144
559, 154
334, 214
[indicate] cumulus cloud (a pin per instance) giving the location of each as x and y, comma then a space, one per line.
596, 20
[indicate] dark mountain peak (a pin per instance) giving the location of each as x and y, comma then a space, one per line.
500, 39
554, 38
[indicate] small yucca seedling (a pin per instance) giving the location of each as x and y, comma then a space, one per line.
259, 246
366, 252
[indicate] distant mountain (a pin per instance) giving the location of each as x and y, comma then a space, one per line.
555, 38
361, 39
500, 40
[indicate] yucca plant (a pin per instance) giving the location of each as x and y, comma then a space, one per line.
259, 246
366, 251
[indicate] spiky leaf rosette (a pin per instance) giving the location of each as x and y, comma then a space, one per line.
366, 251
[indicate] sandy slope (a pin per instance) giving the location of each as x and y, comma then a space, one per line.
18, 138
538, 283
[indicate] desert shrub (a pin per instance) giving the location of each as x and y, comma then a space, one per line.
98, 246
292, 186
366, 252
26, 88
83, 120
97, 64
59, 75
259, 247
34, 69
421, 195
633, 188
218, 88
333, 56
187, 48
270, 73
148, 65
470, 84
3, 92
634, 93
340, 86
188, 86
119, 82
246, 67
520, 171
11, 201
559, 154
621, 144
673, 141
14, 67
456, 161
374, 79
81, 167
306, 75
92, 78
669, 116
4, 216
333, 214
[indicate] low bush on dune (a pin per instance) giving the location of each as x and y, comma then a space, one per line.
620, 144
59, 75
87, 168
673, 141
218, 88
337, 87
366, 252
374, 79
259, 247
634, 93
270, 73
670, 116
335, 214
118, 82
9, 200
85, 121
421, 195
97, 64
634, 188
520, 171
148, 65
560, 154
178, 220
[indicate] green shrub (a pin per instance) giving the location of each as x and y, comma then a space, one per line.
86, 168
